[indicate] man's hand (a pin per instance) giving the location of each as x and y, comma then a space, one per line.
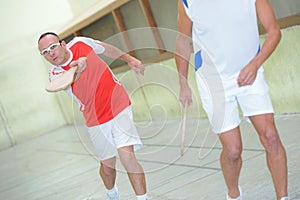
247, 75
80, 64
137, 66
185, 94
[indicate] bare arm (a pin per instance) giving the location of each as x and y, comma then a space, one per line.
267, 18
114, 52
183, 51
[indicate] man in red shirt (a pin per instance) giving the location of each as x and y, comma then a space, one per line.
104, 102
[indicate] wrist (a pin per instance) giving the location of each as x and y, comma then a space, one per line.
126, 57
183, 82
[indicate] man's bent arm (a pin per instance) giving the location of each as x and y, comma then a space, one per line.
268, 20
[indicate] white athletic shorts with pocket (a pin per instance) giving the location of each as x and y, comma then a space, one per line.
221, 100
116, 133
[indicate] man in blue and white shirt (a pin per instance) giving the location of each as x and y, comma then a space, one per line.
229, 74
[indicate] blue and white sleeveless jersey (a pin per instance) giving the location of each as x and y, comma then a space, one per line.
225, 34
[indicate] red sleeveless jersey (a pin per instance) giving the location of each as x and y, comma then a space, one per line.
100, 95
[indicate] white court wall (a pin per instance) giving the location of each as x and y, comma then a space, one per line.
26, 109
282, 71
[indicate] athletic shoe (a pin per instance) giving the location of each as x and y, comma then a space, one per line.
238, 198
284, 198
113, 194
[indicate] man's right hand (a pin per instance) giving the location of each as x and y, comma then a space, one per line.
185, 95
80, 64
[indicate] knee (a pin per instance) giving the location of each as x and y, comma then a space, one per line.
270, 140
106, 169
233, 154
127, 159
131, 164
127, 156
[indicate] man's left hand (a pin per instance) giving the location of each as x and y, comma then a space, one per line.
137, 66
247, 75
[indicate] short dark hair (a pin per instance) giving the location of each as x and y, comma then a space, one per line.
49, 33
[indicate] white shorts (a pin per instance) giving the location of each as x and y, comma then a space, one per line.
221, 101
116, 133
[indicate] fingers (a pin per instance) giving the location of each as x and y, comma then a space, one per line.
74, 63
247, 75
246, 79
187, 102
245, 82
80, 63
138, 68
186, 99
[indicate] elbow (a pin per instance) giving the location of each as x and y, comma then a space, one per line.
277, 32
279, 35
274, 33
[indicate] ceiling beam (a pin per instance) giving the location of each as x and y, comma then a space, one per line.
152, 23
96, 12
122, 29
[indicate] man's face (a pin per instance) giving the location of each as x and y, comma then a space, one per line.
53, 51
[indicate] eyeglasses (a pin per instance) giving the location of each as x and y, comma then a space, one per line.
52, 47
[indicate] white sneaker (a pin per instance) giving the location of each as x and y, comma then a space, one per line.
238, 198
113, 194
284, 198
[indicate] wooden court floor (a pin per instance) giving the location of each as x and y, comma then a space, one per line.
61, 165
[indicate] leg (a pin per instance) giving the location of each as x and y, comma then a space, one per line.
275, 152
134, 170
108, 175
231, 160
108, 172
